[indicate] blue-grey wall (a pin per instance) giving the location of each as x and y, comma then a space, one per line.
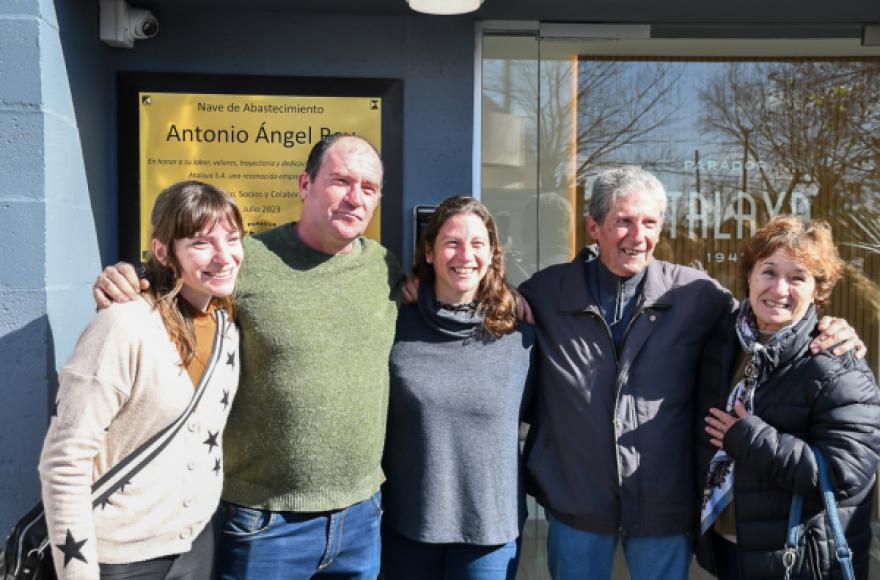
433, 56
48, 242
24, 327
58, 203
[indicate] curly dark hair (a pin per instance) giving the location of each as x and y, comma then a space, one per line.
807, 241
497, 302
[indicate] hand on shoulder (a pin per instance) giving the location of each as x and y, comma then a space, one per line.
118, 283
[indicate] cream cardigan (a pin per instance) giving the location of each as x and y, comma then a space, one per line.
122, 385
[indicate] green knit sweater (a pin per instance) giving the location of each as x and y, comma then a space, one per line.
306, 430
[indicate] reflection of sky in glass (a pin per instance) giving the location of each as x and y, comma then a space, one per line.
670, 150
807, 127
662, 122
833, 182
509, 85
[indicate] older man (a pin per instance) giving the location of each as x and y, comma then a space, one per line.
316, 303
610, 455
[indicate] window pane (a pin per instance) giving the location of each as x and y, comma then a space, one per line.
735, 139
736, 142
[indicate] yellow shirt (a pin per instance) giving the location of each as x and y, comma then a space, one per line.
204, 325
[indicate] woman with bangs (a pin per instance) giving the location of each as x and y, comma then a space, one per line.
137, 369
764, 400
460, 380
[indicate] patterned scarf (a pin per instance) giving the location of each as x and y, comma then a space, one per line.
718, 492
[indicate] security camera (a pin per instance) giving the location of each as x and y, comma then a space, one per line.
121, 24
142, 23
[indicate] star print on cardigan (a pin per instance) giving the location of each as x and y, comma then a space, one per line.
225, 400
230, 359
71, 549
211, 441
217, 467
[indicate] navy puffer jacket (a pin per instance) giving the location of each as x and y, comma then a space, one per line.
824, 400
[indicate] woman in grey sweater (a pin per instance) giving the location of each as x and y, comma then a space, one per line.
460, 380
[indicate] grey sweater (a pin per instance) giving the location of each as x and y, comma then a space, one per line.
452, 450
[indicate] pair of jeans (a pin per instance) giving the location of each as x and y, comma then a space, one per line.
576, 554
258, 544
406, 559
196, 564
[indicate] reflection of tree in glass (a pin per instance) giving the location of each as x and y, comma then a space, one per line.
871, 231
814, 128
593, 107
867, 235
814, 123
620, 104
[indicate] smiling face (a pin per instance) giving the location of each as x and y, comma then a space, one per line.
208, 261
780, 291
628, 233
461, 255
338, 202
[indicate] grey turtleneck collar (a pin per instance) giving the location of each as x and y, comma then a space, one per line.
452, 324
616, 296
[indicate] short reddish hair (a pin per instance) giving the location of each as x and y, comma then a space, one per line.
807, 241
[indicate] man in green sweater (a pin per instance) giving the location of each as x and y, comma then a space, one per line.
316, 302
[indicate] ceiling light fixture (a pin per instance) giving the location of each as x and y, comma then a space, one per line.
444, 7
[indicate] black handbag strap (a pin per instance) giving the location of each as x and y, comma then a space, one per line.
121, 473
844, 554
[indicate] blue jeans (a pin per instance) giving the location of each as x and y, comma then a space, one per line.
406, 559
576, 554
259, 544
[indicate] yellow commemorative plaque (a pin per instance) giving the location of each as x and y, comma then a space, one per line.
253, 146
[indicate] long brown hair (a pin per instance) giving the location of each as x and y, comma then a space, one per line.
181, 211
496, 300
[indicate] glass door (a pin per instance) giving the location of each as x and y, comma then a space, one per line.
738, 130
